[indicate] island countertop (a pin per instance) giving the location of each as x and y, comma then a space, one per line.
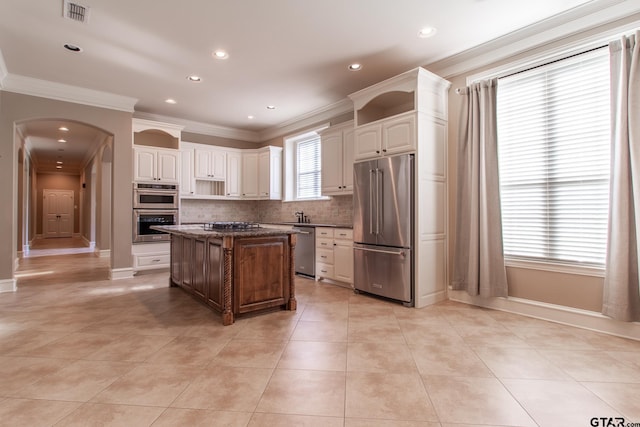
197, 230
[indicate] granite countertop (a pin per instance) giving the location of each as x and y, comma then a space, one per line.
197, 230
305, 224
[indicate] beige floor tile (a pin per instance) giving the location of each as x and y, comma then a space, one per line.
328, 330
560, 337
320, 356
98, 414
174, 417
148, 385
130, 348
457, 361
389, 396
24, 342
280, 420
321, 312
631, 358
79, 381
559, 403
525, 363
228, 389
379, 357
18, 372
304, 392
608, 342
420, 332
592, 366
382, 329
260, 329
624, 398
74, 346
490, 336
33, 413
360, 422
250, 354
475, 401
187, 351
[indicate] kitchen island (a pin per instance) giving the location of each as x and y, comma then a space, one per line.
234, 271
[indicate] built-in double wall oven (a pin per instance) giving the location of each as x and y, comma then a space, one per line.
154, 204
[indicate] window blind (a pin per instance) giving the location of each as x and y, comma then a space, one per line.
308, 168
553, 154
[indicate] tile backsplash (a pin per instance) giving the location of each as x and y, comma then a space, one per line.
336, 210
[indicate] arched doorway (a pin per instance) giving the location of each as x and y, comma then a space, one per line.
70, 157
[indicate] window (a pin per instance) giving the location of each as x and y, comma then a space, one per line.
303, 168
308, 167
553, 151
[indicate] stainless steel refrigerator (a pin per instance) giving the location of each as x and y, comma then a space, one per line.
383, 227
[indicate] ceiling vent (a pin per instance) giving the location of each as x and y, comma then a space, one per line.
75, 11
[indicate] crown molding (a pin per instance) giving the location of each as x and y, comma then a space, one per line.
572, 22
201, 128
316, 116
63, 92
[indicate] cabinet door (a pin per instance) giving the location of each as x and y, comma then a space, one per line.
187, 184
343, 261
399, 135
347, 161
234, 168
198, 267
202, 162
368, 142
168, 169
250, 174
331, 145
218, 164
144, 164
275, 175
264, 174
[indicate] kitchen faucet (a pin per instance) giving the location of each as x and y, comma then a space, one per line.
300, 216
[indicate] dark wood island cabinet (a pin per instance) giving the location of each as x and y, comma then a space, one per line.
234, 272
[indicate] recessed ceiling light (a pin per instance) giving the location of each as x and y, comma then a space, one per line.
72, 47
170, 101
271, 107
63, 129
59, 162
194, 78
62, 140
220, 54
426, 32
250, 117
58, 167
355, 67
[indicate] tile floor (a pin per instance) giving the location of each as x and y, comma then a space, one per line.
79, 350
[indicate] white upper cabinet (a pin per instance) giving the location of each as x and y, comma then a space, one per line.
262, 173
234, 174
155, 151
337, 159
155, 164
210, 164
187, 182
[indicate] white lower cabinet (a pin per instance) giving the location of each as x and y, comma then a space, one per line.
334, 254
150, 256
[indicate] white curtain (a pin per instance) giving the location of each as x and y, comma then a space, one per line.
479, 260
621, 298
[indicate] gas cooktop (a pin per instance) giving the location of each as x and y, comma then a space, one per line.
231, 225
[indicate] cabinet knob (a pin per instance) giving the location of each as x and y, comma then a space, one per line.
377, 151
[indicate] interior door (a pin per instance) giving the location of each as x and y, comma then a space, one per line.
57, 213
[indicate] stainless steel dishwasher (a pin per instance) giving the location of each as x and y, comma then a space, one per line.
305, 253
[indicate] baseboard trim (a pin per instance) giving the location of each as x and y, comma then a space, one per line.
8, 285
75, 235
121, 273
584, 319
90, 244
430, 299
16, 262
102, 253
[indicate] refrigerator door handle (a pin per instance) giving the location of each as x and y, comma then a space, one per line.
380, 200
371, 193
400, 253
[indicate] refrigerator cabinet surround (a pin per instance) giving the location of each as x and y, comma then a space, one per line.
383, 202
383, 271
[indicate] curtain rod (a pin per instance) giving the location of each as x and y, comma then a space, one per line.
459, 90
